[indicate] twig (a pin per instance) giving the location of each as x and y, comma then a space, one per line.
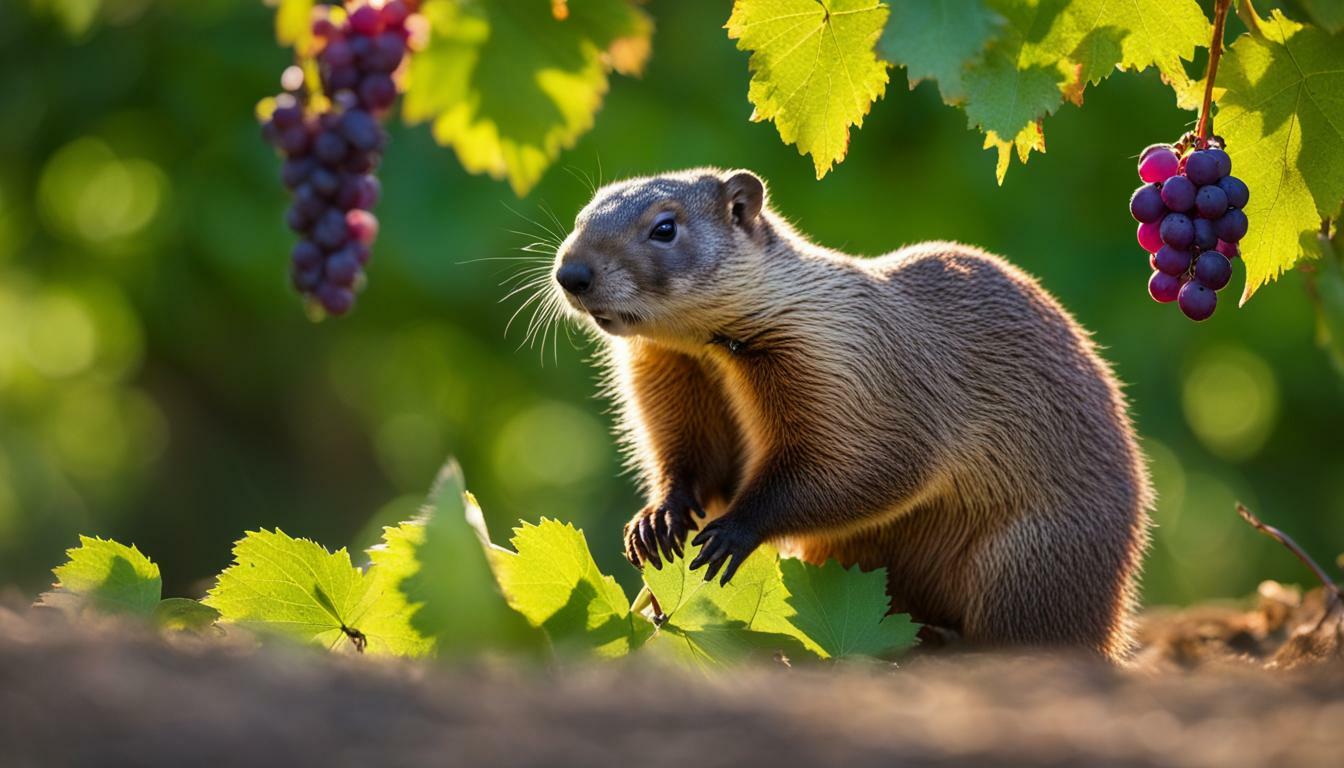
1215, 53
1287, 541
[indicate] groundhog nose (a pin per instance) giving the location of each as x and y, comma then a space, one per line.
575, 277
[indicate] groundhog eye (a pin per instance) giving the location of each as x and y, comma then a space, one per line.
664, 231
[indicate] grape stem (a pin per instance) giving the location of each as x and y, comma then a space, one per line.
1331, 588
1215, 53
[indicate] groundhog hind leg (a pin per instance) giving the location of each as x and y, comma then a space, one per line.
1057, 580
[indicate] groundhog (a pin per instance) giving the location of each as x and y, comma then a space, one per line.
933, 411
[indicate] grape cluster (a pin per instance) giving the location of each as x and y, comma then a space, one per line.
332, 141
1190, 221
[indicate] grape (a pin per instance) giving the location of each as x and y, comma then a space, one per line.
1146, 204
1201, 168
1238, 194
1150, 237
1197, 300
1158, 163
1213, 270
332, 146
1211, 202
1230, 250
1172, 261
1222, 162
1177, 230
1231, 226
1163, 287
1178, 194
1205, 238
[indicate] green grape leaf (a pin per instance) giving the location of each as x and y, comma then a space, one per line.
184, 614
293, 22
553, 581
508, 84
108, 576
814, 70
295, 588
444, 563
709, 625
937, 39
387, 623
1048, 51
1283, 120
841, 613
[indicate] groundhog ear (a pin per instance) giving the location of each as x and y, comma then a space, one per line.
746, 195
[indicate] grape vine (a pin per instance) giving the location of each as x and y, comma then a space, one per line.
436, 585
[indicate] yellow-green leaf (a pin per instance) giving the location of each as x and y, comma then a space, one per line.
508, 84
109, 576
1282, 116
814, 71
937, 39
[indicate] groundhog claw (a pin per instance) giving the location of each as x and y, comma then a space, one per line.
724, 545
659, 532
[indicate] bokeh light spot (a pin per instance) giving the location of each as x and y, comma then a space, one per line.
1231, 401
60, 338
89, 193
551, 444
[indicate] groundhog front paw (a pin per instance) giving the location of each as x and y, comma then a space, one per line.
722, 540
659, 531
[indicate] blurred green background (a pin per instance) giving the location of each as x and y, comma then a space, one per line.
161, 384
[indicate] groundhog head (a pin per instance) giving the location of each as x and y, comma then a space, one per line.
658, 256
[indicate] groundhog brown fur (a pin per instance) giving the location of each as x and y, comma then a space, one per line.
933, 411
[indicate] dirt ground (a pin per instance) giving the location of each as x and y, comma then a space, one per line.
1199, 694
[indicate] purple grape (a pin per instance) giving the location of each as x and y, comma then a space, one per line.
1178, 194
370, 192
335, 299
1163, 287
308, 202
377, 92
363, 50
388, 50
1213, 270
365, 20
326, 181
1172, 261
295, 171
362, 252
1238, 194
295, 219
1177, 230
1231, 226
306, 255
1197, 300
337, 55
395, 13
330, 148
287, 116
343, 267
342, 78
1222, 162
307, 279
330, 231
1211, 202
293, 140
1150, 236
1230, 250
362, 162
1146, 204
360, 129
1205, 238
1158, 163
1201, 168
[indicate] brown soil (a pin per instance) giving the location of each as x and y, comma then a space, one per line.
1212, 686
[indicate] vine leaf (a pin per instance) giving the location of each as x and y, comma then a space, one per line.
1049, 51
108, 576
937, 39
508, 84
814, 70
842, 613
1283, 121
293, 587
184, 614
708, 625
387, 623
554, 583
